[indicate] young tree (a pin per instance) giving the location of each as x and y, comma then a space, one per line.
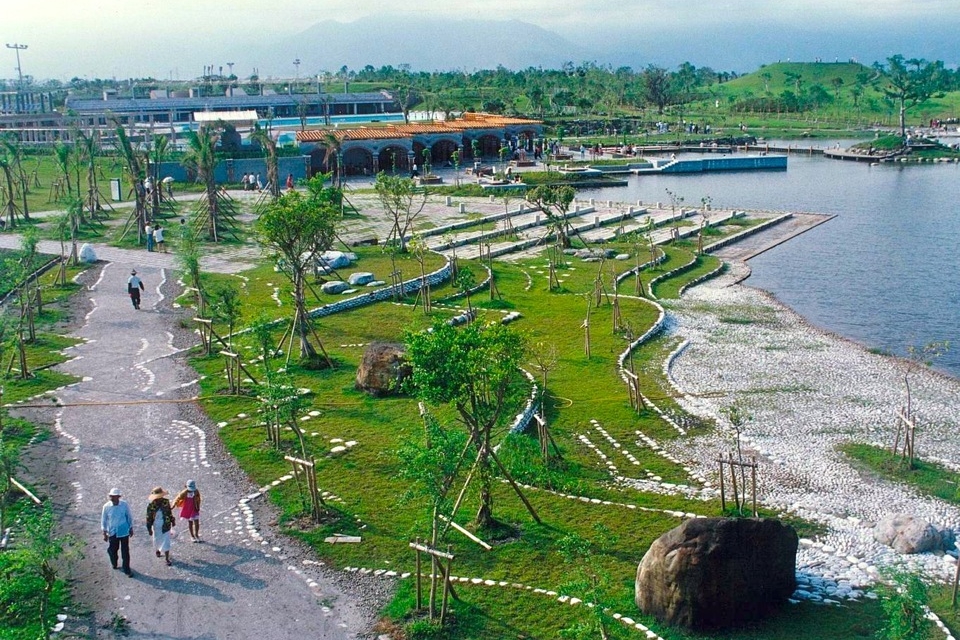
403, 201
904, 599
910, 83
657, 88
430, 466
298, 228
554, 202
201, 158
263, 137
135, 173
476, 370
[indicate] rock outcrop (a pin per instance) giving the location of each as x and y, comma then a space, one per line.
717, 573
382, 369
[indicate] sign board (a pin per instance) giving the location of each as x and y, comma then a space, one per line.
115, 192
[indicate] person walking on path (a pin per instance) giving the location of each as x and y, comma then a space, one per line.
160, 521
148, 230
116, 521
189, 502
289, 182
134, 287
158, 239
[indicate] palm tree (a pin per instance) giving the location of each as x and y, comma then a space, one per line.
201, 159
135, 171
334, 150
263, 137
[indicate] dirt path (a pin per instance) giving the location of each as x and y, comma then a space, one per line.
244, 581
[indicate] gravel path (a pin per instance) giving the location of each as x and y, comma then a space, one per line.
245, 581
807, 391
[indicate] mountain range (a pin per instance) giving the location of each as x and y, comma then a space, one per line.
429, 44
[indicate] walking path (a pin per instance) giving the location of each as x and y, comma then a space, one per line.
238, 584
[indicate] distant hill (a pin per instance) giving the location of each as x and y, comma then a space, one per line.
779, 76
426, 44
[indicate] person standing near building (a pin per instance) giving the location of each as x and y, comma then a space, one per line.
134, 287
116, 522
289, 182
189, 502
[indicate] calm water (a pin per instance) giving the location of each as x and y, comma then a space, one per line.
884, 272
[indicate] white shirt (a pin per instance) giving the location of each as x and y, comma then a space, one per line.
116, 519
158, 235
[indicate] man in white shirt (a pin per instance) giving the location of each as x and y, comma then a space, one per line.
116, 521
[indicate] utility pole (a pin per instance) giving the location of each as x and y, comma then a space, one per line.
18, 48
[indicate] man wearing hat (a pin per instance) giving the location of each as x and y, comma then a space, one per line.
116, 521
134, 287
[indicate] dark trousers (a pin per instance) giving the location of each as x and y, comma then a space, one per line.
135, 298
124, 545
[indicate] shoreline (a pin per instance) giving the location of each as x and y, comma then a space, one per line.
808, 389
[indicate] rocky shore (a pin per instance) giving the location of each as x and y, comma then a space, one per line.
806, 392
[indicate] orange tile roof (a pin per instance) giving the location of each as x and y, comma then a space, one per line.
467, 121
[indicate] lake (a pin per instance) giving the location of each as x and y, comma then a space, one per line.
884, 272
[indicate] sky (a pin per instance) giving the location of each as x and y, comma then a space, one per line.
175, 38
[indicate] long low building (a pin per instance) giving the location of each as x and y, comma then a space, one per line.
162, 108
371, 149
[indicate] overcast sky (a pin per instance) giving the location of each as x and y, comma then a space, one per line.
176, 37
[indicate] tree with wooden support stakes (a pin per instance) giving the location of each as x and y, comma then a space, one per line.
215, 214
403, 201
265, 139
738, 416
297, 229
917, 359
305, 471
135, 173
476, 370
430, 466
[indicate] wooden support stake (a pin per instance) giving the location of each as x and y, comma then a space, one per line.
733, 475
465, 532
419, 591
753, 471
723, 494
446, 587
956, 577
25, 491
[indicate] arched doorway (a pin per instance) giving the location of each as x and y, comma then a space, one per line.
489, 146
357, 161
441, 151
392, 159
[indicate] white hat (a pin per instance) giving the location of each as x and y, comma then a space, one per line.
114, 492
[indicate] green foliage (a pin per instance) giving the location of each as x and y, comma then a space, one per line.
30, 583
904, 599
927, 477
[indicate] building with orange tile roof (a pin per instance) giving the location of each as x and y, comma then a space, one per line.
371, 149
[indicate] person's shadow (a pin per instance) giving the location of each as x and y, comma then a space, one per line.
187, 587
227, 571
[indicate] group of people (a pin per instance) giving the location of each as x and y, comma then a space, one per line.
116, 522
251, 182
154, 235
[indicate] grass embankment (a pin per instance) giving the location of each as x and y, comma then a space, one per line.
927, 477
21, 582
371, 499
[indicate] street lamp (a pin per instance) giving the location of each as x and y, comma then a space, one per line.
296, 64
18, 48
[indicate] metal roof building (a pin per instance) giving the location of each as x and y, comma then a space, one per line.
180, 110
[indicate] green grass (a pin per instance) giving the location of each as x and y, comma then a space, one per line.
927, 477
579, 389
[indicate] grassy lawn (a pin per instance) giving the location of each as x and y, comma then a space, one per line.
373, 502
927, 477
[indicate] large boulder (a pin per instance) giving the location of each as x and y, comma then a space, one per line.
360, 278
717, 573
382, 368
336, 259
87, 254
910, 534
334, 287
